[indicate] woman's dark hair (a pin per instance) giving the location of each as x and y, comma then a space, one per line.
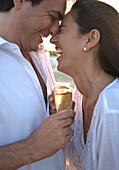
6, 5
92, 14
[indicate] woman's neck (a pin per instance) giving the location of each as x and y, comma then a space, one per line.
91, 84
91, 89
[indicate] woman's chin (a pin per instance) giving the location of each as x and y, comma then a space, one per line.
58, 67
65, 71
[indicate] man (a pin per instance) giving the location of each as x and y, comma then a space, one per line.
27, 133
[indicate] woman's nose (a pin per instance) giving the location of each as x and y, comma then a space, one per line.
53, 40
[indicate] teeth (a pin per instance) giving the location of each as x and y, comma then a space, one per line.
41, 34
59, 52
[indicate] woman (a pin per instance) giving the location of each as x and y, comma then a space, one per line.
88, 44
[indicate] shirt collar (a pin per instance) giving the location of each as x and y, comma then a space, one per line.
3, 41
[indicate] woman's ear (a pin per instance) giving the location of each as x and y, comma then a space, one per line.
18, 4
93, 38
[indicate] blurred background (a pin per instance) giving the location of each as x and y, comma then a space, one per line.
50, 48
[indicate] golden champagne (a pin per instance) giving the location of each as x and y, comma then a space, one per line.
63, 98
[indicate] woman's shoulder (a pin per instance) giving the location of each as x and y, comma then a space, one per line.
110, 96
112, 90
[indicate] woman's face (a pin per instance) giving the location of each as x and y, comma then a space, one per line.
69, 46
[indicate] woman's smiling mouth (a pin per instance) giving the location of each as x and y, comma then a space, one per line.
58, 51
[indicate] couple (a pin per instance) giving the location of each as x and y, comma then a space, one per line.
89, 47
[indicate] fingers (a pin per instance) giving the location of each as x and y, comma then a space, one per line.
56, 132
52, 111
51, 98
66, 122
67, 139
67, 131
65, 114
65, 136
52, 108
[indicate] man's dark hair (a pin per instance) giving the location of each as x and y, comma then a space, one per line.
6, 5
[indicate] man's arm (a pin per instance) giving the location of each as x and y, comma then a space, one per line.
15, 155
53, 134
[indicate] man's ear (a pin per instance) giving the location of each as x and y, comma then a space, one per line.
93, 38
18, 4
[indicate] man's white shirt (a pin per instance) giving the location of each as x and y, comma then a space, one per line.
22, 106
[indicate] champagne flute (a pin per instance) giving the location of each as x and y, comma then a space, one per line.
63, 97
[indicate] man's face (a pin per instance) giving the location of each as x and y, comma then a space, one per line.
37, 21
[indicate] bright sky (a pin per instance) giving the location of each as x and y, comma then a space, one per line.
114, 3
51, 47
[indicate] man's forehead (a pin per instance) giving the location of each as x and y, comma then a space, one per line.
57, 6
58, 1
57, 13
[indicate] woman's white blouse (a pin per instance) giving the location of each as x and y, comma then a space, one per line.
101, 151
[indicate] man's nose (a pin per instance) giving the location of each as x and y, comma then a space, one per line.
54, 28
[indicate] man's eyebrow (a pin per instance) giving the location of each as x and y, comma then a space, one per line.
58, 13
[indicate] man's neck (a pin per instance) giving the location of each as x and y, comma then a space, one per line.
8, 26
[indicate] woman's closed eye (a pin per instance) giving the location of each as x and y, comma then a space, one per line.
61, 28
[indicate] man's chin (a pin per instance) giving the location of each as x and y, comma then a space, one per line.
35, 48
